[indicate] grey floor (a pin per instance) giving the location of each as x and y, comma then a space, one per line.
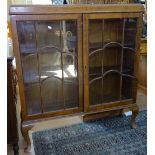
141, 102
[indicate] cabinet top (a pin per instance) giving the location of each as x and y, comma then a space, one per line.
85, 8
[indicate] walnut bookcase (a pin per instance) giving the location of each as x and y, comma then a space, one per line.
75, 59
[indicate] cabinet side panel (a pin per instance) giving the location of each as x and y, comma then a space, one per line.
16, 51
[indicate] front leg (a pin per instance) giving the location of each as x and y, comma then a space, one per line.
135, 111
25, 130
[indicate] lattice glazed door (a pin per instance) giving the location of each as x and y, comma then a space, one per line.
49, 58
109, 60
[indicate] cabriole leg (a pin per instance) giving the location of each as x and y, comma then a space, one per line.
135, 111
25, 134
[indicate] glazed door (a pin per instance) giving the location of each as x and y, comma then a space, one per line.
109, 74
51, 60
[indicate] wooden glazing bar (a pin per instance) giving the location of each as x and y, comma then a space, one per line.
105, 46
80, 62
104, 74
122, 52
61, 45
40, 89
102, 52
49, 78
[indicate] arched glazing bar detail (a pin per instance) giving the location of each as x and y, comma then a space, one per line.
110, 44
49, 47
103, 75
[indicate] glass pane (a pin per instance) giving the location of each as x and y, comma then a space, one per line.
33, 99
111, 87
49, 33
52, 96
50, 63
113, 30
95, 49
70, 80
69, 66
30, 68
95, 64
128, 85
130, 32
69, 31
26, 36
71, 93
95, 92
112, 58
104, 90
128, 61
95, 35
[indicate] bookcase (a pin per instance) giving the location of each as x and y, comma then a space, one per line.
75, 59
